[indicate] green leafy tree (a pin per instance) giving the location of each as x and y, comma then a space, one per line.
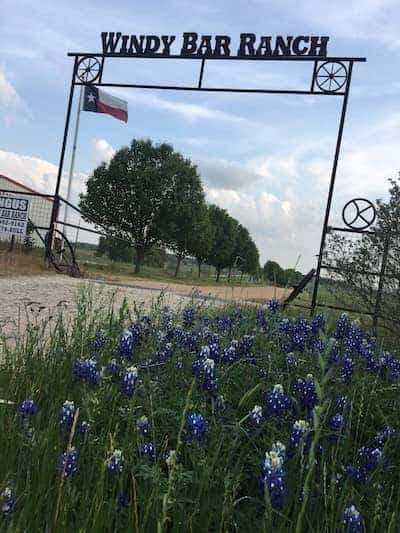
245, 255
225, 227
128, 195
182, 209
273, 273
116, 249
202, 237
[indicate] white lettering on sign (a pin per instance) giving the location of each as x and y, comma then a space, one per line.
14, 214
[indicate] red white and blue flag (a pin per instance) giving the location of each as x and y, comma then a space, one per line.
98, 101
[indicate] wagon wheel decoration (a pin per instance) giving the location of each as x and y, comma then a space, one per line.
88, 69
331, 76
359, 214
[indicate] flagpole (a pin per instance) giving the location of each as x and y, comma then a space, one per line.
71, 169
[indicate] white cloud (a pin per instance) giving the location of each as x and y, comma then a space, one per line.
11, 104
101, 151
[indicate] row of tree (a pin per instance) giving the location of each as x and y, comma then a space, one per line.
274, 274
149, 195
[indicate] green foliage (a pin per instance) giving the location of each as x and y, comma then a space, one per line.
221, 253
116, 249
202, 238
129, 195
211, 485
275, 274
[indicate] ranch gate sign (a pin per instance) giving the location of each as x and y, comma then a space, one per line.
329, 77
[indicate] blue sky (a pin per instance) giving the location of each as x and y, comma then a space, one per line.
265, 158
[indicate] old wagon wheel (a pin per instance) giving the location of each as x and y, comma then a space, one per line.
88, 69
61, 254
331, 76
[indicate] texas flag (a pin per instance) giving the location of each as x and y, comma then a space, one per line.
98, 101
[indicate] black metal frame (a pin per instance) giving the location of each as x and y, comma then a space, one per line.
81, 76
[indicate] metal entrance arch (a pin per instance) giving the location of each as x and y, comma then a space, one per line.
329, 76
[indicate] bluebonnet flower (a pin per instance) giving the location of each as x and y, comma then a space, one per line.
347, 369
123, 502
301, 330
291, 360
113, 367
129, 339
188, 317
100, 340
284, 326
279, 449
196, 427
246, 345
163, 353
372, 458
333, 352
115, 462
389, 366
367, 461
272, 478
306, 392
335, 425
342, 326
68, 462
380, 439
273, 305
83, 428
129, 380
300, 432
352, 520
261, 320
352, 341
148, 450
67, 414
318, 323
277, 401
7, 500
255, 417
85, 370
27, 408
143, 425
341, 404
206, 375
263, 373
231, 354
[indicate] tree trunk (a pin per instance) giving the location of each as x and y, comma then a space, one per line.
199, 267
178, 265
218, 269
140, 253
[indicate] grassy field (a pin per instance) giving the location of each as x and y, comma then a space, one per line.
230, 420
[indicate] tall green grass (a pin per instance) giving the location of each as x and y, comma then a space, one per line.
208, 486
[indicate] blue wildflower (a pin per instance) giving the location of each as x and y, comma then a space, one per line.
342, 326
273, 305
115, 462
335, 425
318, 323
347, 369
272, 478
306, 392
255, 417
291, 360
196, 427
300, 432
277, 401
188, 317
261, 320
27, 408
352, 520
148, 450
263, 373
129, 380
113, 367
85, 370
231, 354
123, 502
7, 501
68, 462
100, 340
341, 404
83, 428
67, 414
126, 344
143, 425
